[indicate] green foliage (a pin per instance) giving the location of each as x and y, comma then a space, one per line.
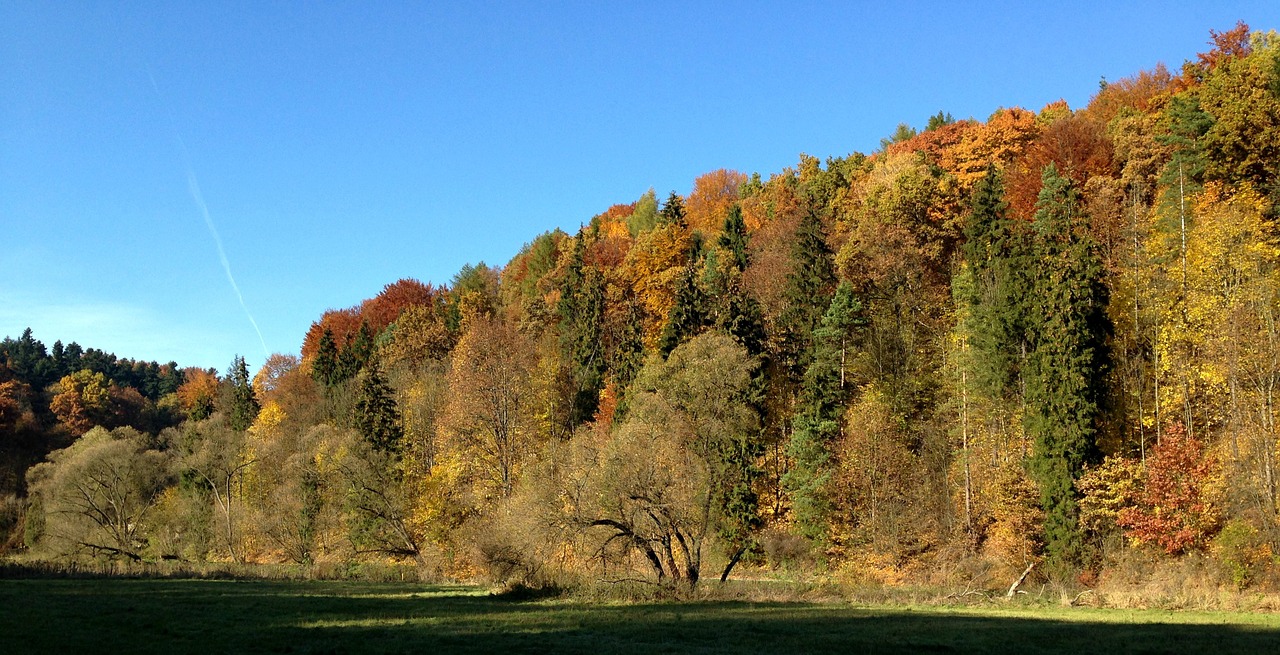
581, 310
807, 294
999, 265
645, 215
940, 119
688, 316
817, 427
376, 417
1067, 365
324, 370
672, 212
244, 403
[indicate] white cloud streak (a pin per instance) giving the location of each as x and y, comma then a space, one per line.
193, 186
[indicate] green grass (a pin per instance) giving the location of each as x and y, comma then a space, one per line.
222, 616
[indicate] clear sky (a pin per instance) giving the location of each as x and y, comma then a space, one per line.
333, 147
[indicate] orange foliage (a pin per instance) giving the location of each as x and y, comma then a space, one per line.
198, 392
1003, 138
15, 403
776, 200
1137, 93
712, 196
343, 324
652, 268
1231, 44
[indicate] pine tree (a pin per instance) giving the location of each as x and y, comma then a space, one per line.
1067, 365
376, 416
244, 405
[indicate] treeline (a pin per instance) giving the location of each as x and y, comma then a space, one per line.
1044, 338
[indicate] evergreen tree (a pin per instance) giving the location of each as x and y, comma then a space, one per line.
376, 416
688, 316
734, 237
1068, 363
807, 294
823, 396
672, 212
324, 368
244, 405
581, 310
998, 260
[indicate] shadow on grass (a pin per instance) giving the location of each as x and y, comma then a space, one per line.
348, 617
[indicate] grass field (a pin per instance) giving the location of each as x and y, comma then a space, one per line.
219, 616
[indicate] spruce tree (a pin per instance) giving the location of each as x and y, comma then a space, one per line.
998, 259
244, 405
581, 310
688, 316
672, 212
324, 366
817, 427
376, 417
1067, 365
807, 294
733, 237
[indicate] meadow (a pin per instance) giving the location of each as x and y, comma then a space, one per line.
281, 616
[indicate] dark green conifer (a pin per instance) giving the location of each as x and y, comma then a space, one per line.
244, 405
1067, 367
376, 416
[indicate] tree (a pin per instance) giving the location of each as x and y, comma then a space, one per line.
688, 316
198, 393
817, 427
1067, 365
96, 495
808, 292
581, 310
681, 468
324, 368
998, 258
376, 417
490, 408
244, 403
1176, 508
218, 456
81, 400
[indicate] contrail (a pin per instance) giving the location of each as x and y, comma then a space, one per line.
193, 185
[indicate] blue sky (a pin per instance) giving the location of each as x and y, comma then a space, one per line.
336, 147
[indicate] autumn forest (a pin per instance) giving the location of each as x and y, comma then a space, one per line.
1044, 341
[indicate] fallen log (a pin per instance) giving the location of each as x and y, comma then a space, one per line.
1013, 588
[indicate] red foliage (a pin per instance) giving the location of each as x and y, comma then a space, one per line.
1079, 147
383, 310
1175, 507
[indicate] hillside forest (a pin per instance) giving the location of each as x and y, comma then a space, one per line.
1046, 339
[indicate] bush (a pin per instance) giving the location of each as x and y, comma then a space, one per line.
1243, 553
